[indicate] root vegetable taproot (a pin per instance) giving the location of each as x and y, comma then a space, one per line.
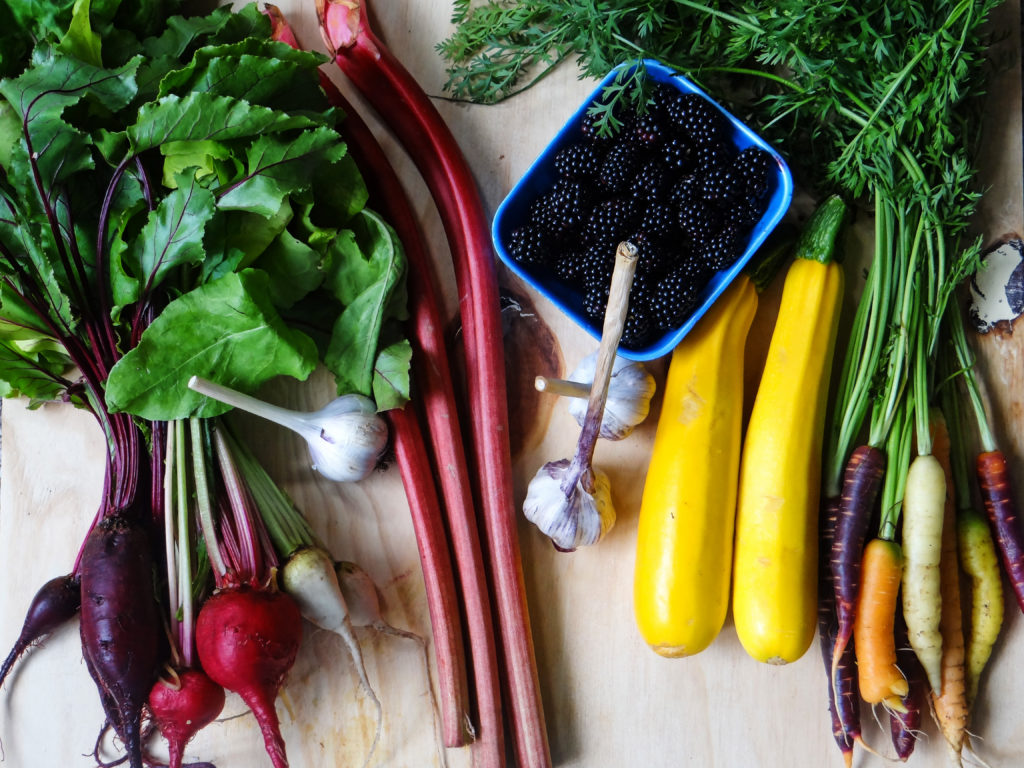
776, 554
685, 531
182, 706
119, 623
56, 602
923, 503
247, 640
309, 577
881, 680
949, 706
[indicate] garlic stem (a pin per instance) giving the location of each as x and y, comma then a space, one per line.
280, 416
562, 387
611, 333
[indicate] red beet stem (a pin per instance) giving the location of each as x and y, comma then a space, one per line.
996, 492
407, 110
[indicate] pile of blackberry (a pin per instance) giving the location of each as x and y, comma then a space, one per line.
671, 182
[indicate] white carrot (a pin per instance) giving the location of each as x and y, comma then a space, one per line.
923, 504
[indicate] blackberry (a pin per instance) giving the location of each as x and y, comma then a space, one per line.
674, 300
699, 221
610, 221
618, 167
641, 291
752, 166
721, 185
721, 250
684, 190
659, 221
596, 268
697, 117
589, 129
745, 213
711, 155
651, 181
646, 129
636, 331
529, 244
678, 155
595, 302
569, 266
563, 209
578, 162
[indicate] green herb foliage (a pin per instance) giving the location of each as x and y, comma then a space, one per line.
875, 100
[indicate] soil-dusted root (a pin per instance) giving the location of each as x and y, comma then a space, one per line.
862, 479
56, 602
247, 641
120, 625
182, 706
994, 481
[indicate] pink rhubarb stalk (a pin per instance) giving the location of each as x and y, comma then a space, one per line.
407, 110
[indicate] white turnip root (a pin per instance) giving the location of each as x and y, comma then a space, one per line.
309, 577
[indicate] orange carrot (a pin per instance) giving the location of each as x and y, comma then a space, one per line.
950, 706
874, 638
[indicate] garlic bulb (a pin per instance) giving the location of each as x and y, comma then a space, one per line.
346, 437
630, 390
579, 518
571, 501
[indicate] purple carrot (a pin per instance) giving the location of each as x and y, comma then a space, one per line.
862, 479
906, 726
56, 602
843, 688
120, 624
994, 481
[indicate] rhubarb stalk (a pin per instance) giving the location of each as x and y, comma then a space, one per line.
435, 395
406, 109
442, 603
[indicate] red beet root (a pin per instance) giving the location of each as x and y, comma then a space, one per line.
56, 601
183, 710
247, 641
120, 625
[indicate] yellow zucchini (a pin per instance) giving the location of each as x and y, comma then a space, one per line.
684, 540
776, 548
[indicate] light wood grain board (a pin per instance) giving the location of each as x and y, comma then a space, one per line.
610, 701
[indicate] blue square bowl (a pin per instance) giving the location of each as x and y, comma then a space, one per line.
540, 178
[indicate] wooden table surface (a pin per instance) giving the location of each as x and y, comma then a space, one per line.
610, 702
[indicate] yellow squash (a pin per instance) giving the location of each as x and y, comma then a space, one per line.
684, 541
776, 548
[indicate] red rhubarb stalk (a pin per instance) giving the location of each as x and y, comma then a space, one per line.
408, 112
442, 603
436, 396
